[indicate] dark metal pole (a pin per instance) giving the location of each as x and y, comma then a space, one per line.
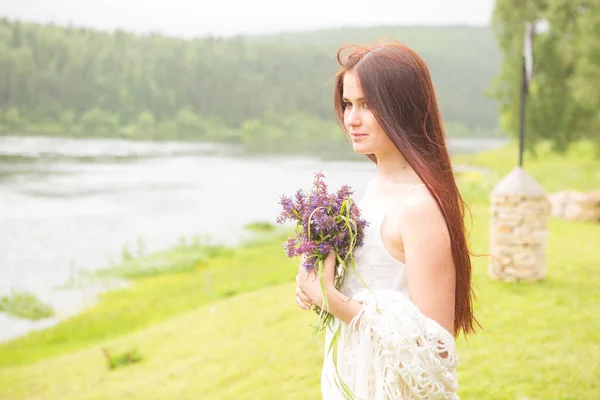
523, 115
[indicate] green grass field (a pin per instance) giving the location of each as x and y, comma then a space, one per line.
229, 327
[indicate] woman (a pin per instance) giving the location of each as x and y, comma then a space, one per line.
414, 248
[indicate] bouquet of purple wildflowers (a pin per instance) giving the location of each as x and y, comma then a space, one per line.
323, 222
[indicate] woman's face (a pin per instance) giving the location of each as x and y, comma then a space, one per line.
368, 137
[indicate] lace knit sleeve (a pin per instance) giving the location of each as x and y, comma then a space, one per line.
396, 351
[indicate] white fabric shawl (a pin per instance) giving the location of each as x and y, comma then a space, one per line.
392, 351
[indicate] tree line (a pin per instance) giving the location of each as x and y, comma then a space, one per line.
68, 81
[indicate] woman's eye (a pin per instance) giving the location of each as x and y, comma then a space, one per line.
347, 104
365, 105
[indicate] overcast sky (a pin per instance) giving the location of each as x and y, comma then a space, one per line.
226, 17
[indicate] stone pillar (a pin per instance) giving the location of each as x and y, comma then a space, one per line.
518, 229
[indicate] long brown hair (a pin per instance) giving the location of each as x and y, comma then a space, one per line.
398, 88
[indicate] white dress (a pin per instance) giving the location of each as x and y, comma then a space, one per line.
377, 268
386, 277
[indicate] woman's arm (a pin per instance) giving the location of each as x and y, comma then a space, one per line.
340, 305
428, 259
428, 254
429, 263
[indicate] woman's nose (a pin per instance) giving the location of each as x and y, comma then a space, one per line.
354, 117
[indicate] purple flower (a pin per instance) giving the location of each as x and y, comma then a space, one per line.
321, 224
291, 246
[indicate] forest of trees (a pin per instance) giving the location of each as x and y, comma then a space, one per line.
79, 82
563, 104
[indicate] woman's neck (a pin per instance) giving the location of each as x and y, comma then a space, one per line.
393, 170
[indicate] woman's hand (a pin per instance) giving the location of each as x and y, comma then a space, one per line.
302, 298
308, 290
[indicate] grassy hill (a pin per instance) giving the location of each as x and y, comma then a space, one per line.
259, 345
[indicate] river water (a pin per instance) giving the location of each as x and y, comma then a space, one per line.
73, 204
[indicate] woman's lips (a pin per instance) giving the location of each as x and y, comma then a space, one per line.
358, 135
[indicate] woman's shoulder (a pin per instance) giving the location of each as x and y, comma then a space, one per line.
416, 206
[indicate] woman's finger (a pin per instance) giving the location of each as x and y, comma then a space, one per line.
302, 304
303, 296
